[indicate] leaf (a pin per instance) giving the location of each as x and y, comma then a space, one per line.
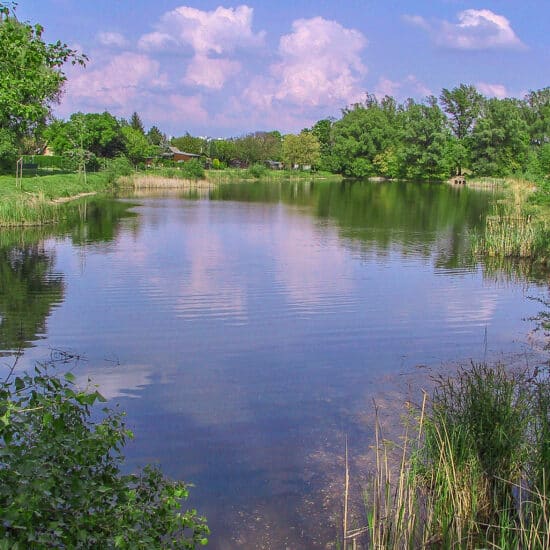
19, 384
70, 376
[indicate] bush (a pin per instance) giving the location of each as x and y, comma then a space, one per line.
192, 169
60, 479
257, 170
118, 166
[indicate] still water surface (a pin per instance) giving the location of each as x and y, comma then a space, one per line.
245, 332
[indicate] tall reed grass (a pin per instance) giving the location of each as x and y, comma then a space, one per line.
473, 468
515, 228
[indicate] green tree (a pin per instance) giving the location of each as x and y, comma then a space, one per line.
223, 149
537, 115
322, 130
61, 484
258, 147
463, 106
136, 124
137, 146
424, 142
190, 144
499, 143
31, 79
302, 149
102, 134
155, 136
364, 132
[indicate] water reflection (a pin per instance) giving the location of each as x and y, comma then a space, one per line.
29, 289
251, 331
30, 285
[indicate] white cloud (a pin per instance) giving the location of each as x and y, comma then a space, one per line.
410, 86
111, 39
156, 41
320, 65
475, 30
210, 72
219, 31
213, 36
493, 90
115, 83
416, 20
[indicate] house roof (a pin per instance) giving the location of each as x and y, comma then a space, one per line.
176, 151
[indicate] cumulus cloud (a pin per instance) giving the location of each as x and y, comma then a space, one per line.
112, 39
210, 72
213, 36
492, 90
319, 65
115, 83
410, 86
475, 30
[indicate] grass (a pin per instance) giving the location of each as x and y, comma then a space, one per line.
34, 202
519, 224
472, 469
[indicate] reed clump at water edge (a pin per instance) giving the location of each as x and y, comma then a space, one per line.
516, 228
472, 469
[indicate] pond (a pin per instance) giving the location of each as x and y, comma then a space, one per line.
246, 331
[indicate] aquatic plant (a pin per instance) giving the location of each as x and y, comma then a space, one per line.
473, 467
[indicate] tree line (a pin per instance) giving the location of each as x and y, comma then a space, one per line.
430, 139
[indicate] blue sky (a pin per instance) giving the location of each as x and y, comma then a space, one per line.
217, 68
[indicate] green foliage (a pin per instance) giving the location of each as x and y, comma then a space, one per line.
31, 79
499, 142
136, 145
192, 169
99, 133
136, 124
257, 147
8, 149
463, 105
303, 149
60, 478
223, 149
364, 132
155, 136
424, 146
190, 144
257, 170
119, 166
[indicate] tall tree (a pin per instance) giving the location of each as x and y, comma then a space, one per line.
463, 106
155, 136
499, 143
364, 132
537, 116
424, 143
137, 146
31, 78
136, 124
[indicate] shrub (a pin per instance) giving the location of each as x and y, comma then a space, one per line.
257, 170
60, 479
118, 166
192, 169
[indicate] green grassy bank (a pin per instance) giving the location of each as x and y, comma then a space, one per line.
41, 199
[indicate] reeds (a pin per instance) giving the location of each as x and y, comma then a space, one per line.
514, 228
26, 210
472, 468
